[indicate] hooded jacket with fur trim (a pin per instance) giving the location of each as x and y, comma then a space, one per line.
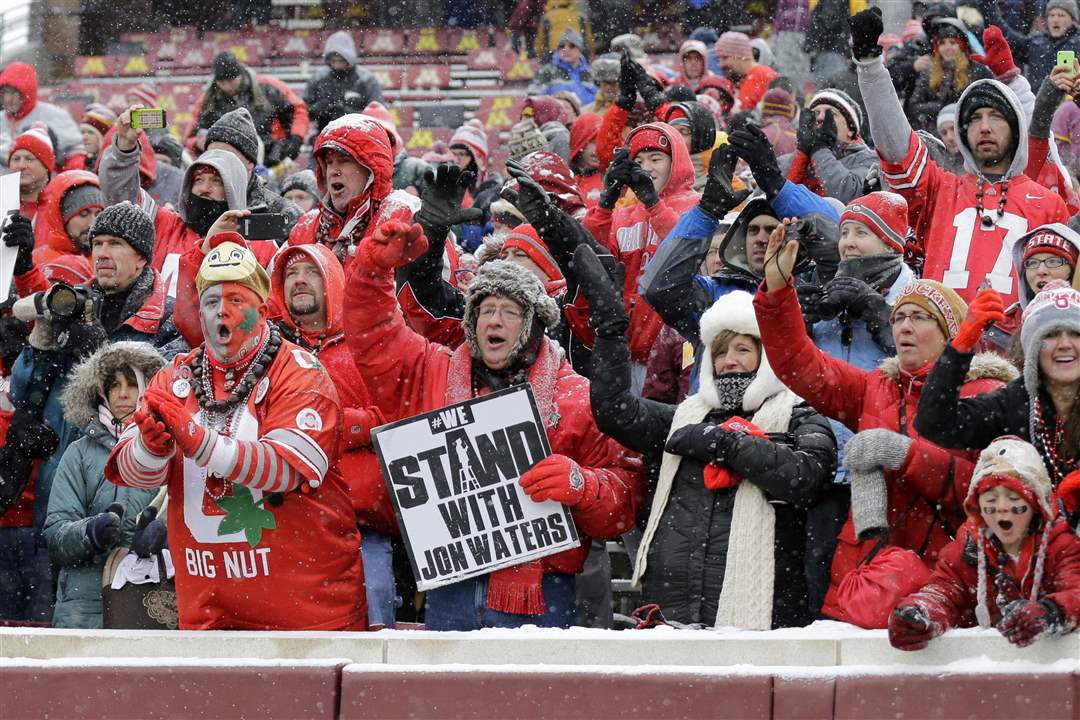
358, 465
959, 251
407, 374
689, 550
364, 140
932, 482
23, 77
633, 234
79, 491
975, 569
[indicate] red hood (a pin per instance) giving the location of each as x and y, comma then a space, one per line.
584, 130
147, 159
545, 109
58, 238
23, 78
333, 280
681, 179
365, 141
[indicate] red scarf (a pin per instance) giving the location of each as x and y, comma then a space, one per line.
517, 589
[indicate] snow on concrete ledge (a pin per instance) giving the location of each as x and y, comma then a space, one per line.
827, 647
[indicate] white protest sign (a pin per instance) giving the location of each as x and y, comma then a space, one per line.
9, 200
453, 477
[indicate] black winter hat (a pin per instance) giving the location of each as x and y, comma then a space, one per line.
981, 94
236, 128
701, 121
226, 66
129, 223
166, 144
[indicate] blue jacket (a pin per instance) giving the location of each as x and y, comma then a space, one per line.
671, 283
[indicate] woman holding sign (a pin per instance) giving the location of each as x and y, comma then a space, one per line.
740, 462
506, 312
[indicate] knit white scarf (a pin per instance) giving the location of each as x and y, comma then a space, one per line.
747, 595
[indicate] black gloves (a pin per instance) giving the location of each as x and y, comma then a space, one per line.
19, 233
718, 196
866, 28
151, 534
15, 468
650, 91
627, 83
751, 145
104, 528
812, 301
705, 442
824, 137
603, 291
641, 183
804, 136
616, 178
440, 202
531, 199
290, 147
862, 303
28, 434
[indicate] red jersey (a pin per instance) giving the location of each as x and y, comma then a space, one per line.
962, 251
242, 563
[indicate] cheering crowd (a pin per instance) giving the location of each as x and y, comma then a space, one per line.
807, 357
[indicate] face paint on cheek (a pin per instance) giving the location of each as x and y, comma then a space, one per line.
231, 326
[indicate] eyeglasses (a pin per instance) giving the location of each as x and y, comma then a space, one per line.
917, 318
1051, 263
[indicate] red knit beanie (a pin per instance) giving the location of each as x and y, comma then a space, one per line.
885, 213
648, 137
1050, 242
524, 238
36, 140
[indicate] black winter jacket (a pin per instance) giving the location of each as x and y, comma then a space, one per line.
973, 423
924, 104
326, 99
687, 556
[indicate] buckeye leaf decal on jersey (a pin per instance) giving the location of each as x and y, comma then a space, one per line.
243, 513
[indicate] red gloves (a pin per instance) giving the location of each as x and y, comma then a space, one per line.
358, 424
184, 430
556, 477
1069, 491
718, 477
985, 309
155, 438
1024, 621
998, 55
910, 628
392, 245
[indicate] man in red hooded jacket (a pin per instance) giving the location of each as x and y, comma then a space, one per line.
21, 108
308, 288
354, 170
659, 172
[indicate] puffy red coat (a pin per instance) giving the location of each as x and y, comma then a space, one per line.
365, 140
950, 598
358, 464
887, 397
408, 374
57, 241
633, 234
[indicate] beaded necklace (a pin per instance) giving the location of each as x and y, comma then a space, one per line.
1058, 467
224, 415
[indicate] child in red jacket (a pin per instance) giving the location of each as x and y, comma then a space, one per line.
1014, 565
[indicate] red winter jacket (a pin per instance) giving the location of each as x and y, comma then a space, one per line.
950, 598
408, 374
632, 234
57, 241
367, 143
358, 464
863, 400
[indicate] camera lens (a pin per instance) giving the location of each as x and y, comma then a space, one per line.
63, 301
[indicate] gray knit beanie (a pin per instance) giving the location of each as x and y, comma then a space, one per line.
509, 280
1068, 6
80, 197
303, 180
129, 223
525, 138
236, 128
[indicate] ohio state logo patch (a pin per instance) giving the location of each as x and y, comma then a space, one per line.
309, 419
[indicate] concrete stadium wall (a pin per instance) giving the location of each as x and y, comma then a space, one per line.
662, 673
